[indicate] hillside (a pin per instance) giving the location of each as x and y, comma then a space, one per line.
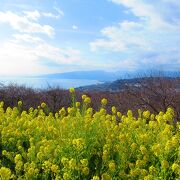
121, 84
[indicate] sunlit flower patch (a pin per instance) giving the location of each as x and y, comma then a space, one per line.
80, 143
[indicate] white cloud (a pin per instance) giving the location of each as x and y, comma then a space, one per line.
35, 15
32, 15
74, 27
146, 12
60, 12
26, 38
26, 23
50, 15
148, 40
16, 59
25, 54
107, 45
121, 37
126, 25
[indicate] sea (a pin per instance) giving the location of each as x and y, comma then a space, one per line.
43, 83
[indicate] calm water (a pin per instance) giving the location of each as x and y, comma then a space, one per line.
44, 83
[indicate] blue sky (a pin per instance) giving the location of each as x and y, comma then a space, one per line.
50, 36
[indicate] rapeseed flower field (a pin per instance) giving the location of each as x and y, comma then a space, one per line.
80, 143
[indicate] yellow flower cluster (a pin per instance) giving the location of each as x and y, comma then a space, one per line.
72, 90
5, 173
80, 143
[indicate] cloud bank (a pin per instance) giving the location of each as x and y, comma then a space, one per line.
150, 40
25, 52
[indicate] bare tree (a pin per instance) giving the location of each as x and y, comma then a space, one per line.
156, 93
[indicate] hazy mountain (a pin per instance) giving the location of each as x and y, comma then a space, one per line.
105, 76
89, 75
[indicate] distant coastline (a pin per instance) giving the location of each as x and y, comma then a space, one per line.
43, 83
97, 79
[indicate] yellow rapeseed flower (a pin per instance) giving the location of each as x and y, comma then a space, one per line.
113, 109
152, 170
66, 176
72, 163
5, 173
54, 168
87, 100
78, 104
72, 90
175, 167
40, 156
84, 162
119, 115
84, 96
112, 166
17, 158
104, 101
85, 170
20, 103
133, 146
164, 164
143, 149
140, 163
95, 178
106, 176
146, 114
149, 177
62, 111
64, 161
43, 105
129, 113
